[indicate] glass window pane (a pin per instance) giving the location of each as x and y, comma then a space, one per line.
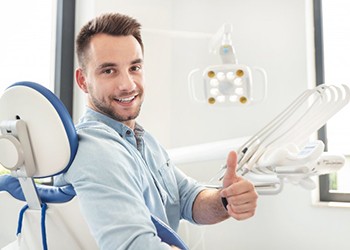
336, 35
27, 42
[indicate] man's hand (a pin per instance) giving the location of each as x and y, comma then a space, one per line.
240, 193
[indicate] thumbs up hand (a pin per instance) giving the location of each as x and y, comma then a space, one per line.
239, 193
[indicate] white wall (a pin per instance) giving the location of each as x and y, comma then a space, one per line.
273, 34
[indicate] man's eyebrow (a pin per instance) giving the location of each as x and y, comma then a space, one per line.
106, 65
110, 64
139, 60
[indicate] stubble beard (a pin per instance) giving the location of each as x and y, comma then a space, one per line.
108, 110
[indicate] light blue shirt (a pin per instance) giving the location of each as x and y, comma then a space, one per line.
121, 177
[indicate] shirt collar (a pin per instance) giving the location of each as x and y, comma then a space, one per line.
122, 129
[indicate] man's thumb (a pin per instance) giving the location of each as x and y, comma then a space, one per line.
230, 175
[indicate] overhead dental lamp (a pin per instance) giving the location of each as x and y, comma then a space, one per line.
228, 83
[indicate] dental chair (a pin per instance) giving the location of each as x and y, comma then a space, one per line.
38, 140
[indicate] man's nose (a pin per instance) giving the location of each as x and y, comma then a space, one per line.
126, 82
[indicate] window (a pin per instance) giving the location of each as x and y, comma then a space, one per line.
37, 44
27, 48
332, 27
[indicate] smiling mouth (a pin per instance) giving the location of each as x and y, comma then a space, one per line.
126, 100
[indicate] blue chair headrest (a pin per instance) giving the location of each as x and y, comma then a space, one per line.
53, 136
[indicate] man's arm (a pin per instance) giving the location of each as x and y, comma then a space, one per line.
239, 193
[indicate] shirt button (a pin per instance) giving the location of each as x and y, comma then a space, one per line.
128, 132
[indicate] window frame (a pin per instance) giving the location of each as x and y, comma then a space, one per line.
64, 53
324, 191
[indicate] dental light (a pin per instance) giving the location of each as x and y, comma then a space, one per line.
229, 83
281, 150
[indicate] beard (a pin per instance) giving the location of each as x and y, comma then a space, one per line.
110, 111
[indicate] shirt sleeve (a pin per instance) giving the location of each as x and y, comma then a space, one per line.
109, 188
189, 190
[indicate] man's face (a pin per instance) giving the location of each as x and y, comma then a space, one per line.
113, 77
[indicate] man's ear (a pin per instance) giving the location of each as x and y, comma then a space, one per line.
81, 79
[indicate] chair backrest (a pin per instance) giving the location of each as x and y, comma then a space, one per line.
52, 146
38, 139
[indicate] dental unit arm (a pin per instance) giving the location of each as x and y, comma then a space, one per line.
281, 152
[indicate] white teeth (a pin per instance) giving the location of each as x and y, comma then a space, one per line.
129, 99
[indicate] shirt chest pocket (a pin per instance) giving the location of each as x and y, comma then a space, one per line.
168, 182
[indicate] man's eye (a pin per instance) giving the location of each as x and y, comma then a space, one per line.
108, 71
135, 68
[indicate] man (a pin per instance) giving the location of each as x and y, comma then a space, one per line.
121, 174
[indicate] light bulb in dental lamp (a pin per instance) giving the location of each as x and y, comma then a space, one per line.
228, 83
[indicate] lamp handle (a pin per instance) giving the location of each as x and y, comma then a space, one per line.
264, 83
191, 87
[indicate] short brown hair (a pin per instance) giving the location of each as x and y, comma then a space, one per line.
114, 24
